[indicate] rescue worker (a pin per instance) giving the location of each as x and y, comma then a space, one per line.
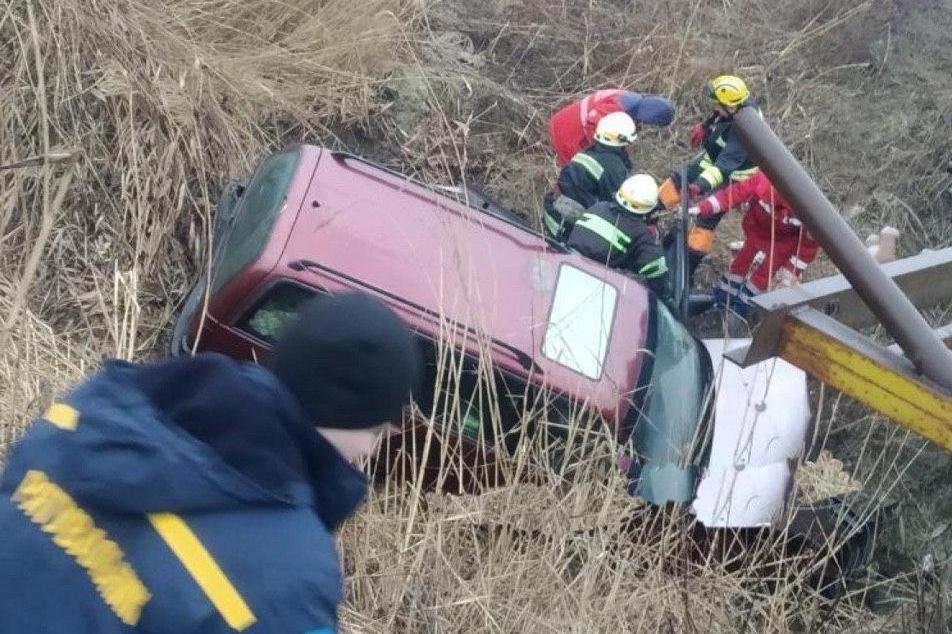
722, 160
616, 233
200, 494
776, 244
572, 128
591, 176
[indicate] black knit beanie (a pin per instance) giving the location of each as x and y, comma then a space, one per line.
349, 360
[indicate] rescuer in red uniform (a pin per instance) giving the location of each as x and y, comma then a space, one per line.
572, 127
775, 241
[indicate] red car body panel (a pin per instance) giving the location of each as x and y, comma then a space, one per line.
447, 268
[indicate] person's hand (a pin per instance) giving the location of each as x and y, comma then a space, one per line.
694, 192
698, 134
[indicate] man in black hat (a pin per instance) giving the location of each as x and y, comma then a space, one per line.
201, 494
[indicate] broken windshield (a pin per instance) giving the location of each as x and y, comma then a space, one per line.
668, 423
257, 210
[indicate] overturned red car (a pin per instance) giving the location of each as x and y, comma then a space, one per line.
469, 275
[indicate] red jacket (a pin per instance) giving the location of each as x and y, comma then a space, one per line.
573, 127
770, 215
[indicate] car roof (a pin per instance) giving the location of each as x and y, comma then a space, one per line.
447, 266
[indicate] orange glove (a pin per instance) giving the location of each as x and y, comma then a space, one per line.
668, 194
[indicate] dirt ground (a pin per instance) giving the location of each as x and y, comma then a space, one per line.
161, 106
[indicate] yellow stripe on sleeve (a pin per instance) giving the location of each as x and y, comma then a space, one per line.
63, 416
204, 570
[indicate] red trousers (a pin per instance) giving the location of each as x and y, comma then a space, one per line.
764, 253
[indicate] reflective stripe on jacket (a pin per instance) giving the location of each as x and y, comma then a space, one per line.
595, 174
768, 215
617, 238
723, 158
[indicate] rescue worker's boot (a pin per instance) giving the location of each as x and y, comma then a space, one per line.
738, 304
743, 307
731, 292
727, 290
735, 294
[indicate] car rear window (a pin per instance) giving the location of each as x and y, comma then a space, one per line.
254, 218
580, 321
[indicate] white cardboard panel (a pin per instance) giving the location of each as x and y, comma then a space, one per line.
761, 419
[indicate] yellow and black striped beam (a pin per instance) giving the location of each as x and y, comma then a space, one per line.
874, 375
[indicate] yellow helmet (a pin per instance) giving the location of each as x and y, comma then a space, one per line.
638, 194
615, 129
728, 90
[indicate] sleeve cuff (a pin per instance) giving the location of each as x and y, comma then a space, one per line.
798, 264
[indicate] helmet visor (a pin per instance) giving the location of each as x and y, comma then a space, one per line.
616, 138
632, 204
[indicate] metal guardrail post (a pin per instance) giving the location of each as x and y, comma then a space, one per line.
899, 316
682, 284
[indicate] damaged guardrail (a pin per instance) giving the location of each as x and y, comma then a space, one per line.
797, 323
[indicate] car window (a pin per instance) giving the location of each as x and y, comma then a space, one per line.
667, 422
677, 390
254, 218
469, 395
275, 310
457, 389
580, 321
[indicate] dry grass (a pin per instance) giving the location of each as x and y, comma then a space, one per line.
162, 102
569, 549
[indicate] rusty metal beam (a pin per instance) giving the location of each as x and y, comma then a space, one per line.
926, 279
874, 375
899, 316
766, 341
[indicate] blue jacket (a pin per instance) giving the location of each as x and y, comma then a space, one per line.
187, 496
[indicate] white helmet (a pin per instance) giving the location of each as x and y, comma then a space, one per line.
616, 129
638, 194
